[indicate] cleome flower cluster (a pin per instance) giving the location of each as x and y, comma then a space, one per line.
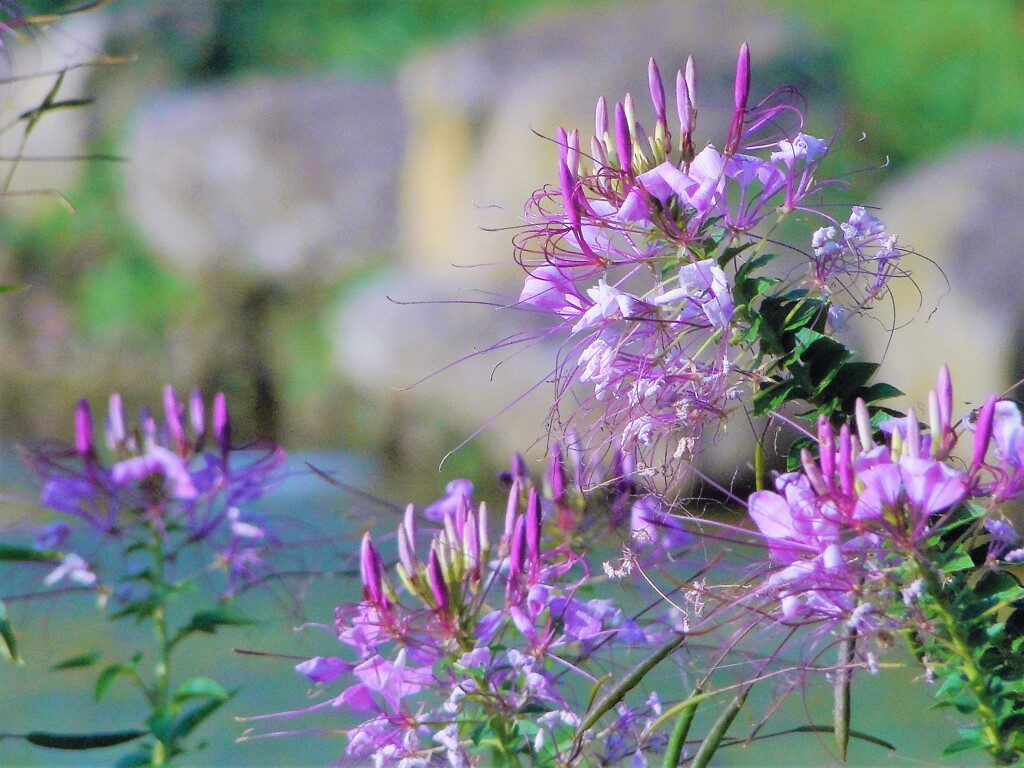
634, 255
181, 481
475, 642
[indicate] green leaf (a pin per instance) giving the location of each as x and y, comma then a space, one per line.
82, 740
962, 745
192, 719
960, 562
74, 662
879, 391
11, 288
209, 621
200, 687
107, 676
9, 646
12, 553
161, 722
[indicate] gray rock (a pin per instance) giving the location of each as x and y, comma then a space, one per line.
474, 107
963, 305
284, 179
404, 344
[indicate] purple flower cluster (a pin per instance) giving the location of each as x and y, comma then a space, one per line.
630, 256
850, 533
469, 632
180, 480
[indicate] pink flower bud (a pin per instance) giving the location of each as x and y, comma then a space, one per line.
657, 87
406, 551
623, 141
983, 433
557, 474
846, 473
175, 430
435, 576
221, 423
83, 429
471, 544
533, 520
813, 473
944, 393
511, 510
572, 154
741, 93
371, 569
826, 450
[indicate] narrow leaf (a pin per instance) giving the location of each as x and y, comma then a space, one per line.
81, 740
75, 662
106, 678
200, 687
9, 646
13, 553
192, 719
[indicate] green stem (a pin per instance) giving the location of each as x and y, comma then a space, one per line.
714, 738
961, 648
618, 693
841, 712
676, 742
161, 667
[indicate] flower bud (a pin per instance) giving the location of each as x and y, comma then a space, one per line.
533, 521
913, 435
197, 415
435, 576
221, 423
572, 153
846, 473
863, 419
116, 434
826, 450
623, 141
813, 473
483, 535
83, 430
175, 430
601, 120
371, 569
741, 92
983, 433
657, 88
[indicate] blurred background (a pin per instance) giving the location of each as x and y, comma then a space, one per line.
309, 204
296, 176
